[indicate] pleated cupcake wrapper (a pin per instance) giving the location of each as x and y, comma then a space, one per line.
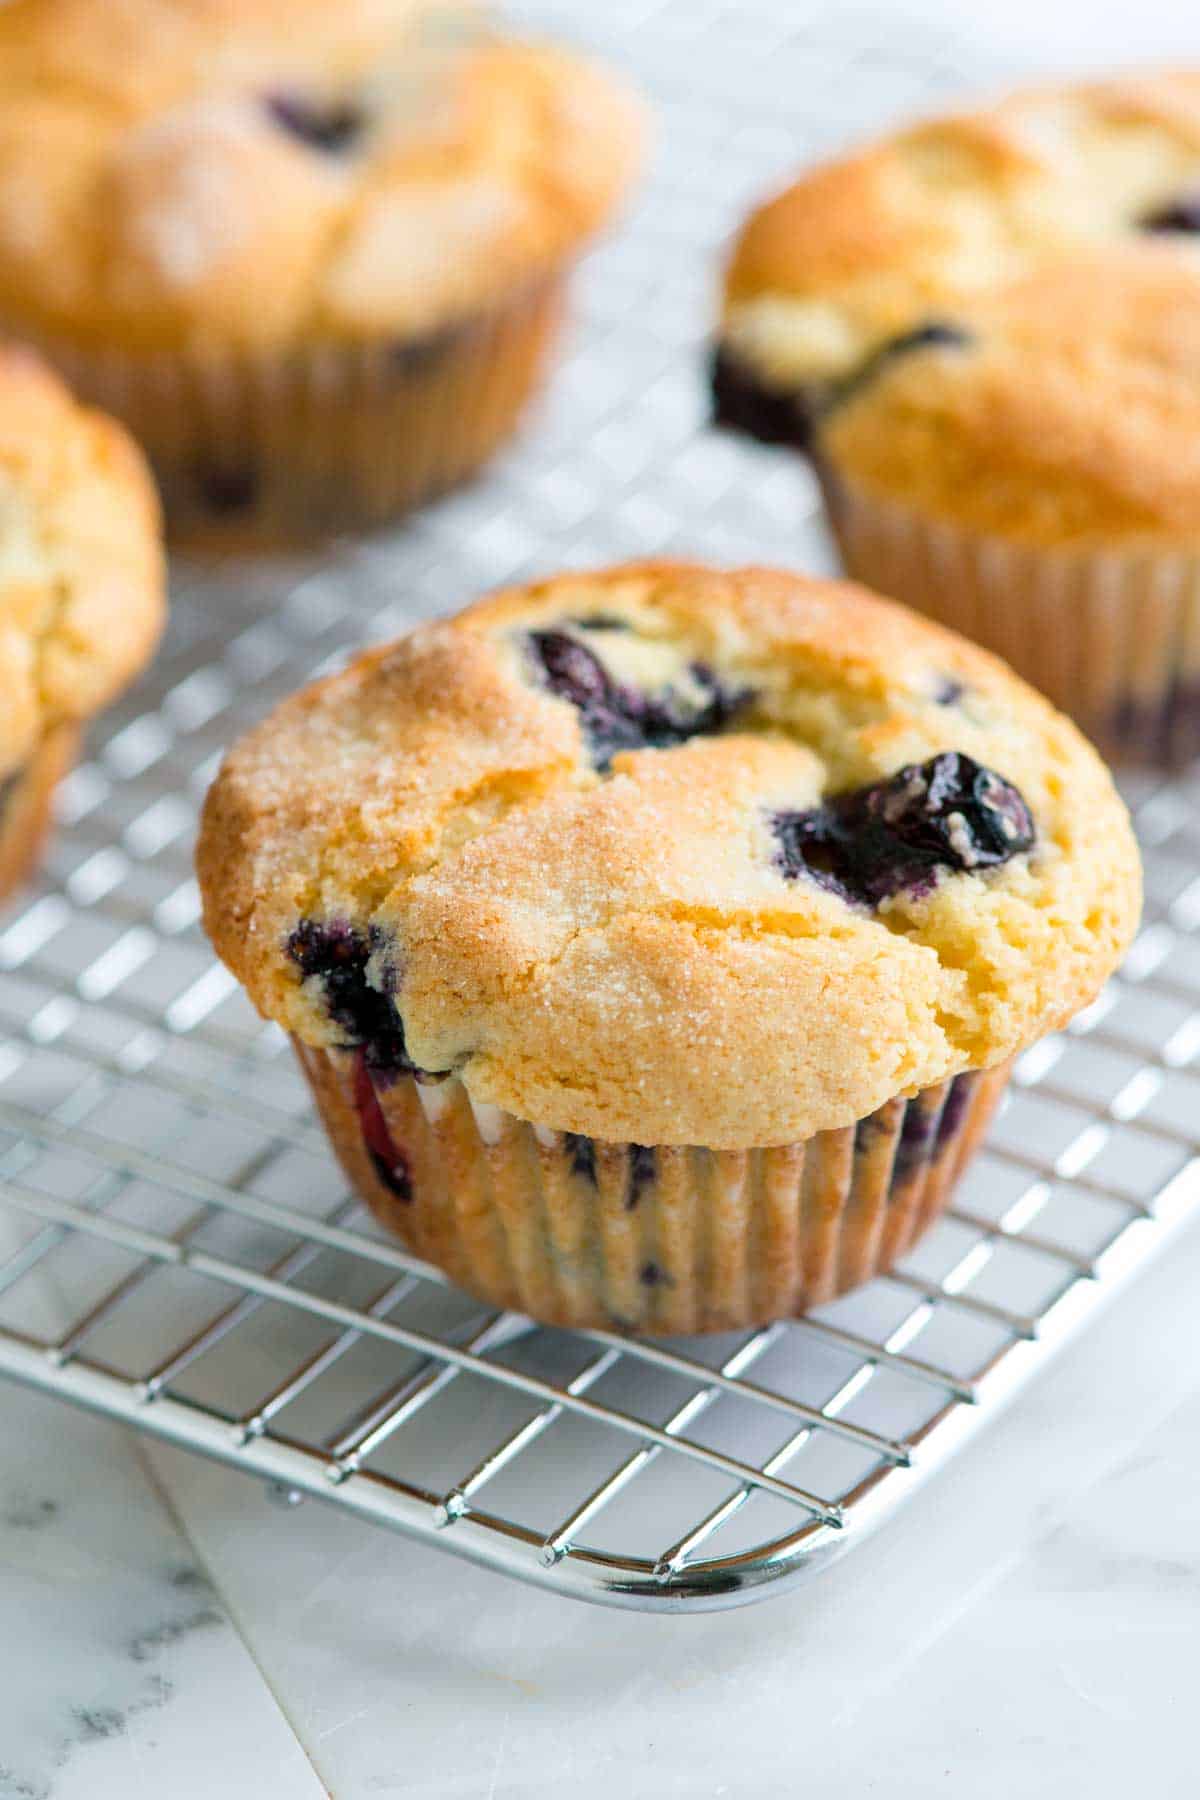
578, 1232
27, 803
277, 448
1111, 637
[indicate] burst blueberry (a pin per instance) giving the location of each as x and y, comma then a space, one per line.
337, 954
897, 836
1182, 214
581, 1153
617, 716
643, 1166
743, 402
329, 125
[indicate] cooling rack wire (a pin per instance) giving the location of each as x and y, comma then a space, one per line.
177, 1249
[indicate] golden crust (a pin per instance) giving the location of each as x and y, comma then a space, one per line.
918, 224
1069, 418
149, 197
81, 567
620, 955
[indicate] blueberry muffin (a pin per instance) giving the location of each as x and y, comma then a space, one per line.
983, 332
81, 588
656, 941
313, 255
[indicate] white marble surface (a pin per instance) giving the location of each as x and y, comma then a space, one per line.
1030, 1624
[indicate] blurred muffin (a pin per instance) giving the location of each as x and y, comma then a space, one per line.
81, 589
313, 255
656, 941
983, 330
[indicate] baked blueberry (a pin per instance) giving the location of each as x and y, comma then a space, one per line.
932, 334
582, 1154
954, 1108
224, 491
336, 953
642, 1162
896, 836
1182, 214
329, 125
652, 1275
617, 716
743, 402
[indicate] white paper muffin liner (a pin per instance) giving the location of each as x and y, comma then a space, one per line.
1112, 637
285, 447
577, 1232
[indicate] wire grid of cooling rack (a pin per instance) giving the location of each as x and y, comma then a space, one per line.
178, 1250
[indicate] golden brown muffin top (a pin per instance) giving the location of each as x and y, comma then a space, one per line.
1067, 414
81, 566
862, 249
257, 173
667, 854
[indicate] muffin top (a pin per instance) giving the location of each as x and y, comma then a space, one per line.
1063, 410
81, 568
903, 233
664, 854
256, 173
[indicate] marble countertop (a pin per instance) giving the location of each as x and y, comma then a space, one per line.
1028, 1625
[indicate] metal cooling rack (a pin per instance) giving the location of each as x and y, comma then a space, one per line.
177, 1248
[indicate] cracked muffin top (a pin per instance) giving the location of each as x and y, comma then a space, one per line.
255, 173
899, 238
664, 854
81, 567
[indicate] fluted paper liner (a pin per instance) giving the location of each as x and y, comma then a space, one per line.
1112, 637
274, 448
578, 1232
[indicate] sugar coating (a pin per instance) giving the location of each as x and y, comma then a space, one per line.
81, 567
620, 954
153, 194
862, 248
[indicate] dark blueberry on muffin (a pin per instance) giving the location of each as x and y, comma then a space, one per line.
895, 836
954, 1108
329, 125
651, 1275
336, 954
743, 401
618, 716
581, 1152
930, 334
1178, 215
641, 1172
